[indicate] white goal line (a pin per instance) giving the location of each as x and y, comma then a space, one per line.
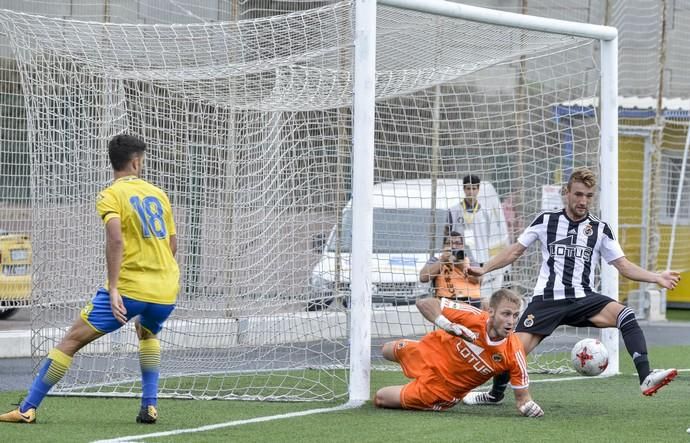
348, 405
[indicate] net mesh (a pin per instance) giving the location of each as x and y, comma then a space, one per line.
249, 128
643, 27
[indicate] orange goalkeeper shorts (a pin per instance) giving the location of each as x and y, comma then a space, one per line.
427, 391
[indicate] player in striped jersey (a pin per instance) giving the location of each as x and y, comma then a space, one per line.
142, 280
471, 346
572, 241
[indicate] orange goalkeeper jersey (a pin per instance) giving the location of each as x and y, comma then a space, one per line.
463, 365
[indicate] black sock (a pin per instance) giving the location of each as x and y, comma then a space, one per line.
634, 340
500, 384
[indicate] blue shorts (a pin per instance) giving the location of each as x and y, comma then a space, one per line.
98, 314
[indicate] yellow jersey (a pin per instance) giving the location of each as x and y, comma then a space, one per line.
149, 271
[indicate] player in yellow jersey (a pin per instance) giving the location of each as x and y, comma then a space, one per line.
142, 280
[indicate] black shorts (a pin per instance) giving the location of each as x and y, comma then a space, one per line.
542, 317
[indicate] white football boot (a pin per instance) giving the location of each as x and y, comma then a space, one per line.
480, 398
657, 379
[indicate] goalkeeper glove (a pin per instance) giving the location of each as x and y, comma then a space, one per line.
455, 329
531, 409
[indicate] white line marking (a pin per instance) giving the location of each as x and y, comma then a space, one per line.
349, 405
583, 377
575, 378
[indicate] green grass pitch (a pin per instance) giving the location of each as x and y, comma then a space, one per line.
602, 410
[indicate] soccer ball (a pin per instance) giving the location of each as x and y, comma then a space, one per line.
589, 357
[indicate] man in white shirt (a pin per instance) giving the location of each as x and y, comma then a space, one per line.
484, 229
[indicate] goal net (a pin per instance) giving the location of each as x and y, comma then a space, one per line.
249, 130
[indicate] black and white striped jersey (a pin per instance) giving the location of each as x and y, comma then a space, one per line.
570, 252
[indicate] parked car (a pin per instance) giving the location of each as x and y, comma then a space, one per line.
15, 272
405, 232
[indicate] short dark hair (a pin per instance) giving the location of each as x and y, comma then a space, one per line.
470, 180
451, 234
122, 147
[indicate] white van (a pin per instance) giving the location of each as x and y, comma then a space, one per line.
402, 243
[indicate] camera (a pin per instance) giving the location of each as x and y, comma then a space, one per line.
459, 254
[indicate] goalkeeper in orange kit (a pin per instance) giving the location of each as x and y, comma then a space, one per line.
470, 347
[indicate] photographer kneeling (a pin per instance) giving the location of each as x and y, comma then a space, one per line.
448, 273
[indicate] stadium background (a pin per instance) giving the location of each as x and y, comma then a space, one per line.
654, 90
655, 94
654, 86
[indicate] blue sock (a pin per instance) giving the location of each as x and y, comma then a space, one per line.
53, 369
150, 362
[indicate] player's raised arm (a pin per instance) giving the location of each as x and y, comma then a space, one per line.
504, 258
431, 309
666, 279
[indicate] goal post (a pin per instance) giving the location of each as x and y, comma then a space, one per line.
363, 128
311, 159
609, 181
363, 157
